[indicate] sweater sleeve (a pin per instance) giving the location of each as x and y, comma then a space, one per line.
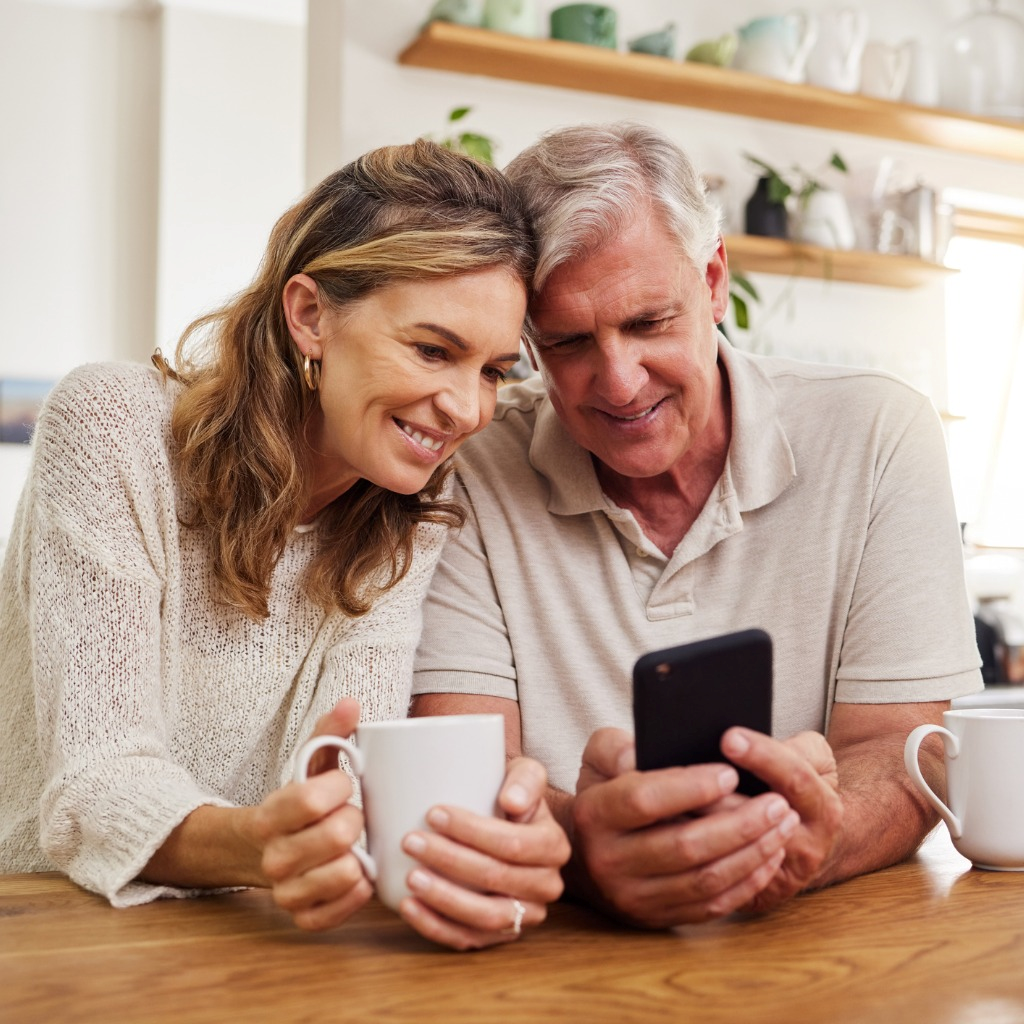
102, 506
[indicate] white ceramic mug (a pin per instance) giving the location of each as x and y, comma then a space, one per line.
407, 766
777, 46
884, 70
834, 62
985, 782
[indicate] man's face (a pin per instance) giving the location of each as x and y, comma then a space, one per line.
628, 348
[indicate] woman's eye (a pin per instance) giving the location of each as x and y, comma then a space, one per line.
432, 352
495, 374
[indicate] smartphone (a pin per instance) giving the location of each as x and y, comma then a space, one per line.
685, 697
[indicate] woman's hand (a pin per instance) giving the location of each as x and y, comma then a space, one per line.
482, 880
307, 830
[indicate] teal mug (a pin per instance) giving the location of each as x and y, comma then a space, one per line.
593, 24
657, 44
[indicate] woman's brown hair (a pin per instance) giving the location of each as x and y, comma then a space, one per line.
397, 213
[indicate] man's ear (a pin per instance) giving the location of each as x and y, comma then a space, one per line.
302, 312
717, 277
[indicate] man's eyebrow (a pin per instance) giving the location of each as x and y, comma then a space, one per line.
443, 332
654, 313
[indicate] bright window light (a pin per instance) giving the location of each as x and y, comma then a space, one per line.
985, 318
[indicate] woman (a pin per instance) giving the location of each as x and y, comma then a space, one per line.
207, 560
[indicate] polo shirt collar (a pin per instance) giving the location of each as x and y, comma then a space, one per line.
760, 464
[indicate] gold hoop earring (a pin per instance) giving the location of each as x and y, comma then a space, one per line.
311, 371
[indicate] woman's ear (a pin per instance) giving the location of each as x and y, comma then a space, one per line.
303, 313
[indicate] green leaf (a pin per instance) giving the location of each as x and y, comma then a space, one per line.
459, 113
744, 283
479, 147
739, 308
838, 163
778, 190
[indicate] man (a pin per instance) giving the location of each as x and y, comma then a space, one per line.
656, 486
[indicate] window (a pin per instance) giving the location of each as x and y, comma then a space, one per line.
985, 325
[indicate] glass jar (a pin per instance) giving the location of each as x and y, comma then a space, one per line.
982, 65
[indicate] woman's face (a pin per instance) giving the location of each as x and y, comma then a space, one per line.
408, 373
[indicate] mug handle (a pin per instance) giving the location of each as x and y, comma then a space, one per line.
806, 26
301, 774
910, 752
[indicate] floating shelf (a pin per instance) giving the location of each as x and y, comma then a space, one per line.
753, 254
475, 51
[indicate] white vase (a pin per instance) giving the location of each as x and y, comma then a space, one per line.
823, 218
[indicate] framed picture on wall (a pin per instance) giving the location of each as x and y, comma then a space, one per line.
20, 402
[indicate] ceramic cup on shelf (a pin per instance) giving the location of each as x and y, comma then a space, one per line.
405, 768
658, 44
593, 24
777, 46
884, 69
460, 12
922, 85
984, 761
834, 61
517, 17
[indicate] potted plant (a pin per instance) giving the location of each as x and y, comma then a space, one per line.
824, 220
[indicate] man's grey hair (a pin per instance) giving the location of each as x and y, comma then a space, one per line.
584, 183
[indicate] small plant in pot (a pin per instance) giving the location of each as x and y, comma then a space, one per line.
824, 220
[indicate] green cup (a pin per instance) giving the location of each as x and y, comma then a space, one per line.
593, 24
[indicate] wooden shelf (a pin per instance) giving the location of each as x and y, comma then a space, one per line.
477, 51
751, 254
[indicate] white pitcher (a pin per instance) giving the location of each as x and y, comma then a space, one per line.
777, 46
834, 62
884, 69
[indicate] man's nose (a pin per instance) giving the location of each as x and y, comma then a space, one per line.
619, 373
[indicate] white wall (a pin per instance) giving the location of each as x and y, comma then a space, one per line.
147, 150
231, 153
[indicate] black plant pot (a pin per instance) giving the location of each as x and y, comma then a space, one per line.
764, 217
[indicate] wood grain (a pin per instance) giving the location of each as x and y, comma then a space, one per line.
476, 51
928, 940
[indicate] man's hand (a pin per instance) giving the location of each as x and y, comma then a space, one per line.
657, 849
803, 770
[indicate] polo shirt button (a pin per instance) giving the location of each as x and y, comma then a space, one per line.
641, 552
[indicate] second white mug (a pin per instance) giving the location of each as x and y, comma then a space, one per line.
405, 768
984, 757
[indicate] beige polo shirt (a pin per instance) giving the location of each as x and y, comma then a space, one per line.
832, 527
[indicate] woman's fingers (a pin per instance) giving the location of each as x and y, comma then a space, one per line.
457, 917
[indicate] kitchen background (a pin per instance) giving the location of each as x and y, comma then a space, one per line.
148, 147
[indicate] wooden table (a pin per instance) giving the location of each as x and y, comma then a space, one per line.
928, 940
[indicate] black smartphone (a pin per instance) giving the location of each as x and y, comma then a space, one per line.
685, 697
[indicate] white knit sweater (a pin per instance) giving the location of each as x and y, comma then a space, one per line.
128, 697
